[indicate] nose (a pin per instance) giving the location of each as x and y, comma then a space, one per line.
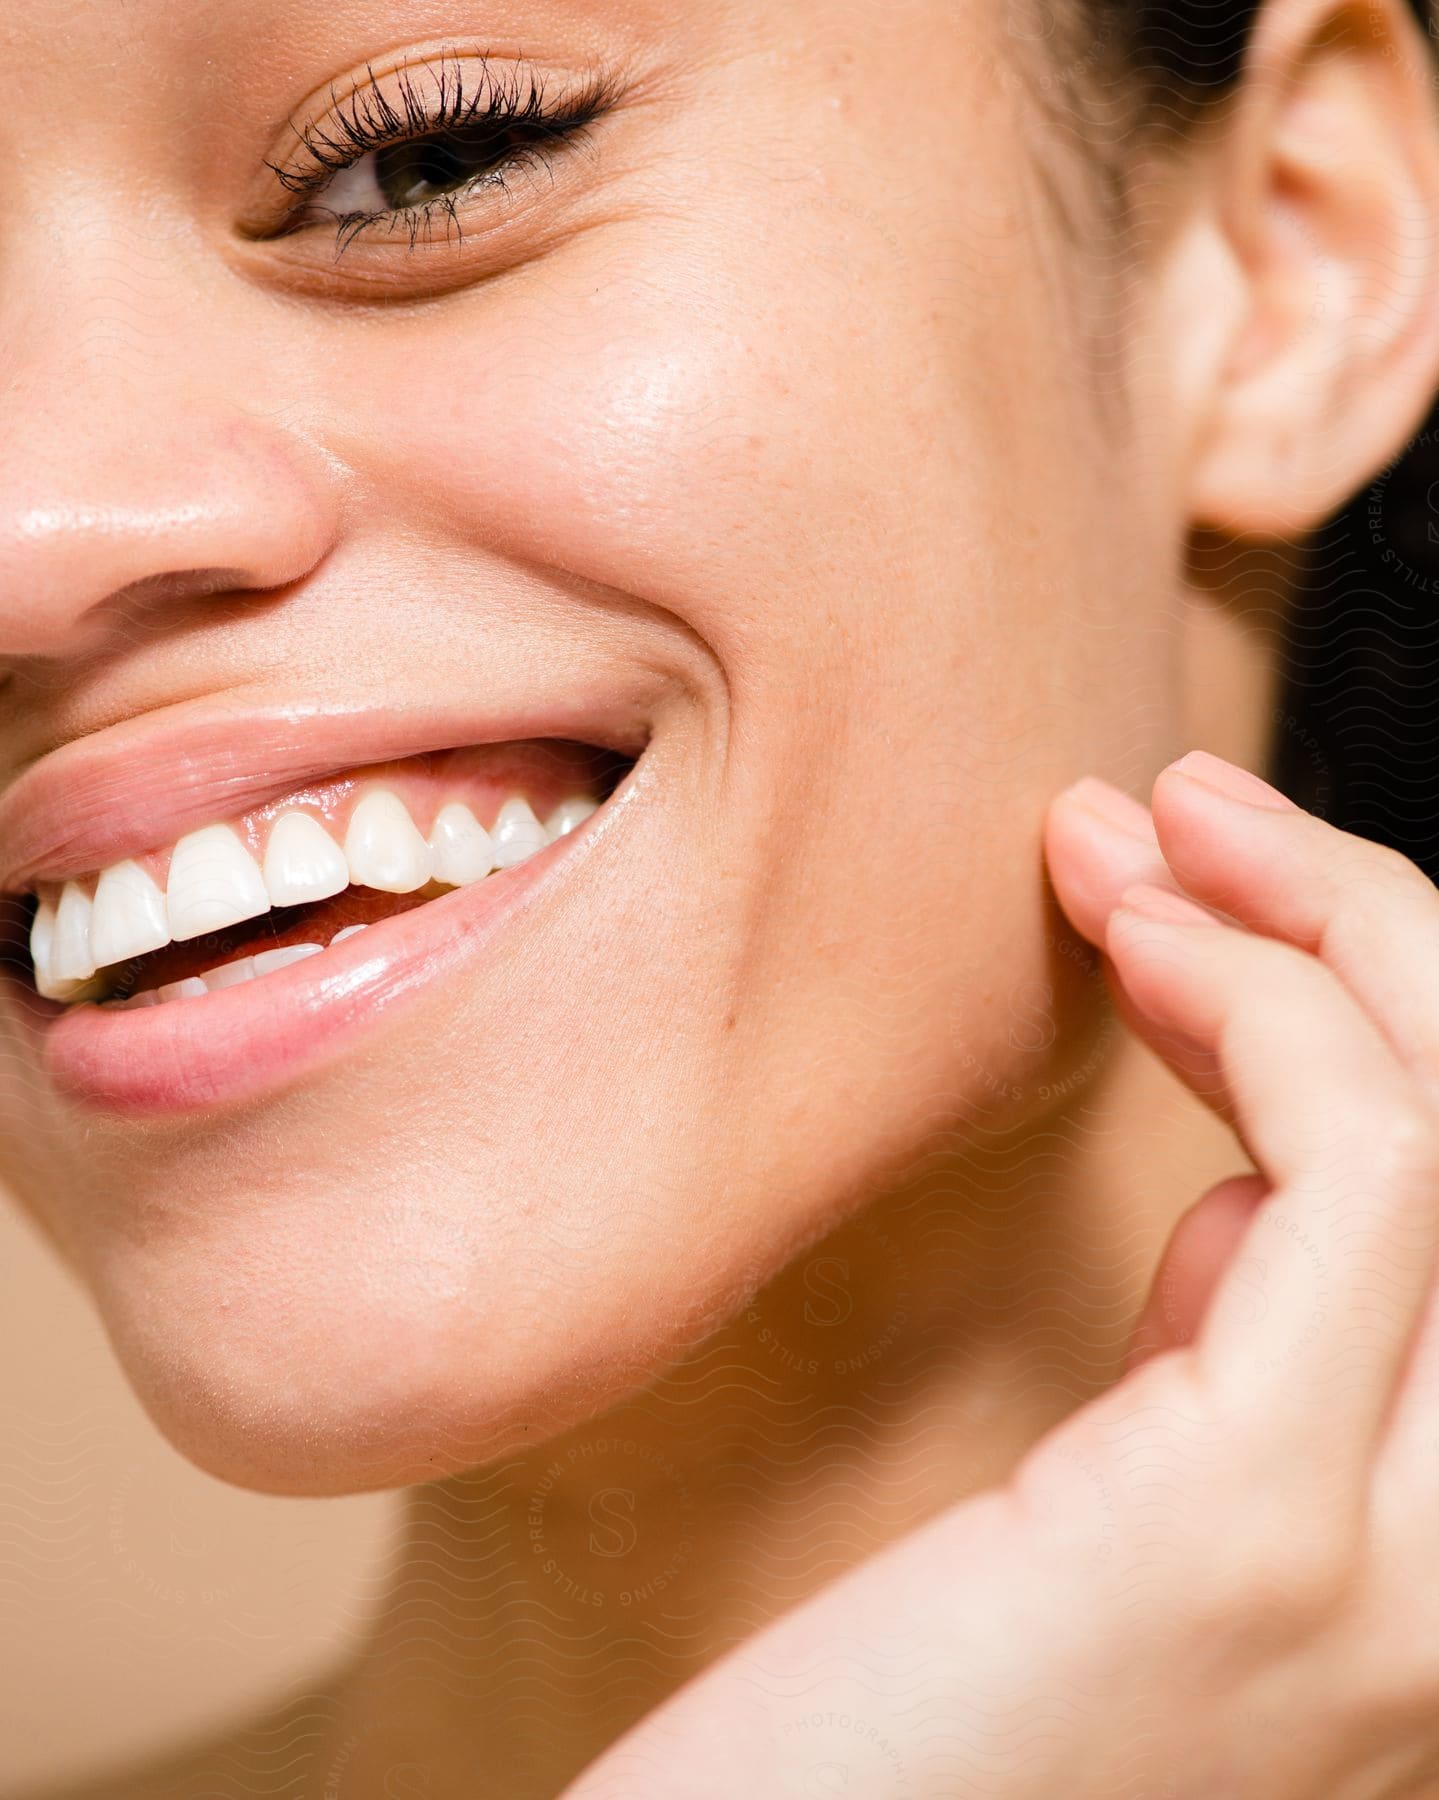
143, 463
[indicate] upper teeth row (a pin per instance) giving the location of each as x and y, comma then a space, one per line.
214, 881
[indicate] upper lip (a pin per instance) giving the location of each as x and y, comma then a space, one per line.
140, 785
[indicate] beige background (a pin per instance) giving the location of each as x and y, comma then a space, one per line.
141, 1601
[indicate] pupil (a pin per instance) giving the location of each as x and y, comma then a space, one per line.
409, 174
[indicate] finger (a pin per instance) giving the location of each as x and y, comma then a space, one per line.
1367, 912
1407, 1479
1191, 1059
1343, 1248
1201, 1246
1097, 842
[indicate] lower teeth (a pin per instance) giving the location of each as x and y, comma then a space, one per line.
233, 974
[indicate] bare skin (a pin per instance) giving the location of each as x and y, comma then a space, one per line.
817, 1183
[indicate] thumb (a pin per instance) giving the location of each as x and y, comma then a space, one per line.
1198, 1251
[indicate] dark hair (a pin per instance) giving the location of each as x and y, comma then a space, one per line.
1356, 724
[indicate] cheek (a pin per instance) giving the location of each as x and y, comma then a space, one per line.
602, 447
722, 442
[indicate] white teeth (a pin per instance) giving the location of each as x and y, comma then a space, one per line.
229, 974
188, 989
214, 883
129, 918
303, 862
269, 960
70, 958
248, 967
460, 846
383, 848
568, 814
42, 950
517, 833
42, 954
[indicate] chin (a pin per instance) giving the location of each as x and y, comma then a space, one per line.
312, 1336
286, 1389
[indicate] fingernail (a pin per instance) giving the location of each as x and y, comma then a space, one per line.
1163, 906
1233, 782
1114, 806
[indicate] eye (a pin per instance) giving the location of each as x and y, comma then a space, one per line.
399, 176
400, 154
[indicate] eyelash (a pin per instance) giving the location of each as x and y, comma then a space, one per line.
370, 121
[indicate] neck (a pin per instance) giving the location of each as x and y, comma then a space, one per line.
540, 1607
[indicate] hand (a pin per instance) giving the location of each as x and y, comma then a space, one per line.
1220, 1580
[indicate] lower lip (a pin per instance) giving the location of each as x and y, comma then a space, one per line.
240, 1042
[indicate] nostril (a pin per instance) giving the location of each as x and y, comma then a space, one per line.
174, 585
100, 524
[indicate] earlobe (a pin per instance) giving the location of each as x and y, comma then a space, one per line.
1327, 192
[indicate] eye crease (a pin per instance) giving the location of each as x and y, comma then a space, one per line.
451, 128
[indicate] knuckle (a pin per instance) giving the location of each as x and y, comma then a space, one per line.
1371, 891
1361, 866
1400, 870
1405, 1147
1319, 1578
1289, 1565
1283, 1595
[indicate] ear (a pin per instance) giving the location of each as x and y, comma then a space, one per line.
1321, 344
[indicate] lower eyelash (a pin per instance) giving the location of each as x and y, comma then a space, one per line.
418, 219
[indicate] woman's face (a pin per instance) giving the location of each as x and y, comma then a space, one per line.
750, 431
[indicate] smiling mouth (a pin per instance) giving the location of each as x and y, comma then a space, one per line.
242, 898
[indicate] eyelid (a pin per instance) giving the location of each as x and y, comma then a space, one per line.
293, 161
512, 229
